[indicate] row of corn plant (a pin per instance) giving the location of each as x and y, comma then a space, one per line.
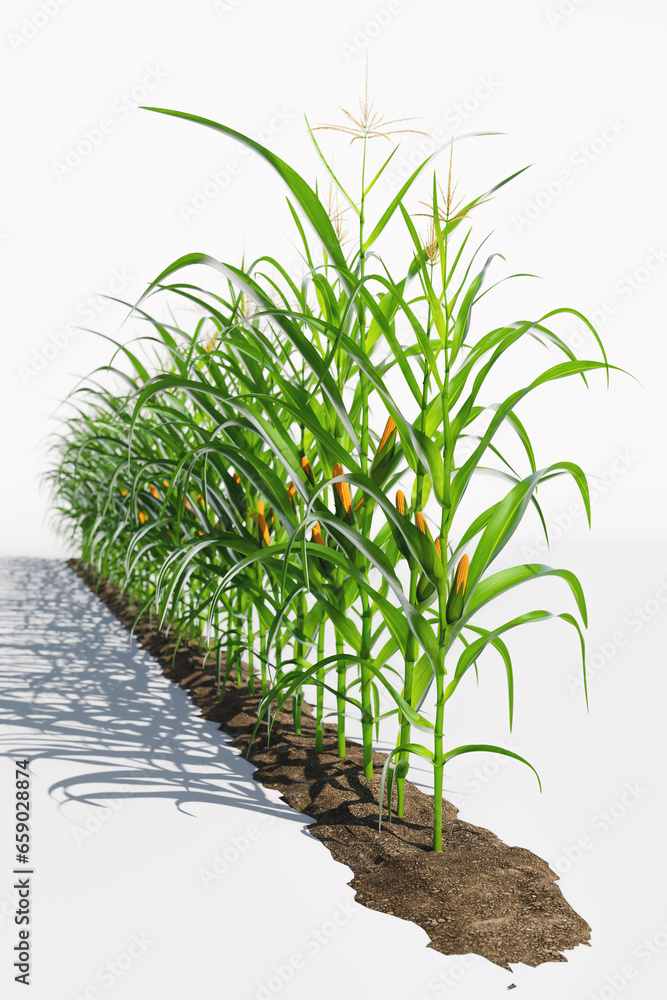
287, 480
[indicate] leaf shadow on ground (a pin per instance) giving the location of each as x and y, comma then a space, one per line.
74, 686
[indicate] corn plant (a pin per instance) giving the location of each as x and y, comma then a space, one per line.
300, 459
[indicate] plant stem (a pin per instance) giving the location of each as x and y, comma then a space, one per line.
410, 657
251, 640
239, 671
439, 761
319, 728
366, 677
262, 653
444, 629
340, 700
279, 656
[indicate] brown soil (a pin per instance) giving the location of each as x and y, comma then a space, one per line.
478, 895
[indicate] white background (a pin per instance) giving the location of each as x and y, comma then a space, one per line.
575, 88
549, 81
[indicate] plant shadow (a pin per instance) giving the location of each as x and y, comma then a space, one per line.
76, 687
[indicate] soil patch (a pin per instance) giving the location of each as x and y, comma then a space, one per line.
478, 895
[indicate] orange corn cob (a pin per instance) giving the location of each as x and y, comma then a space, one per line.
390, 428
456, 599
153, 491
420, 521
342, 489
305, 465
401, 505
462, 574
263, 529
317, 534
425, 530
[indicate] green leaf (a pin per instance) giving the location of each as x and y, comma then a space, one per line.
415, 748
499, 583
304, 195
490, 748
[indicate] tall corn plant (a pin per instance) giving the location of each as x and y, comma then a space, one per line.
286, 435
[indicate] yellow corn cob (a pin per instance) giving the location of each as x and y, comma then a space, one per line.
263, 529
462, 574
390, 428
456, 598
420, 521
385, 452
342, 489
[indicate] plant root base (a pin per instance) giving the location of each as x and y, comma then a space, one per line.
478, 895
